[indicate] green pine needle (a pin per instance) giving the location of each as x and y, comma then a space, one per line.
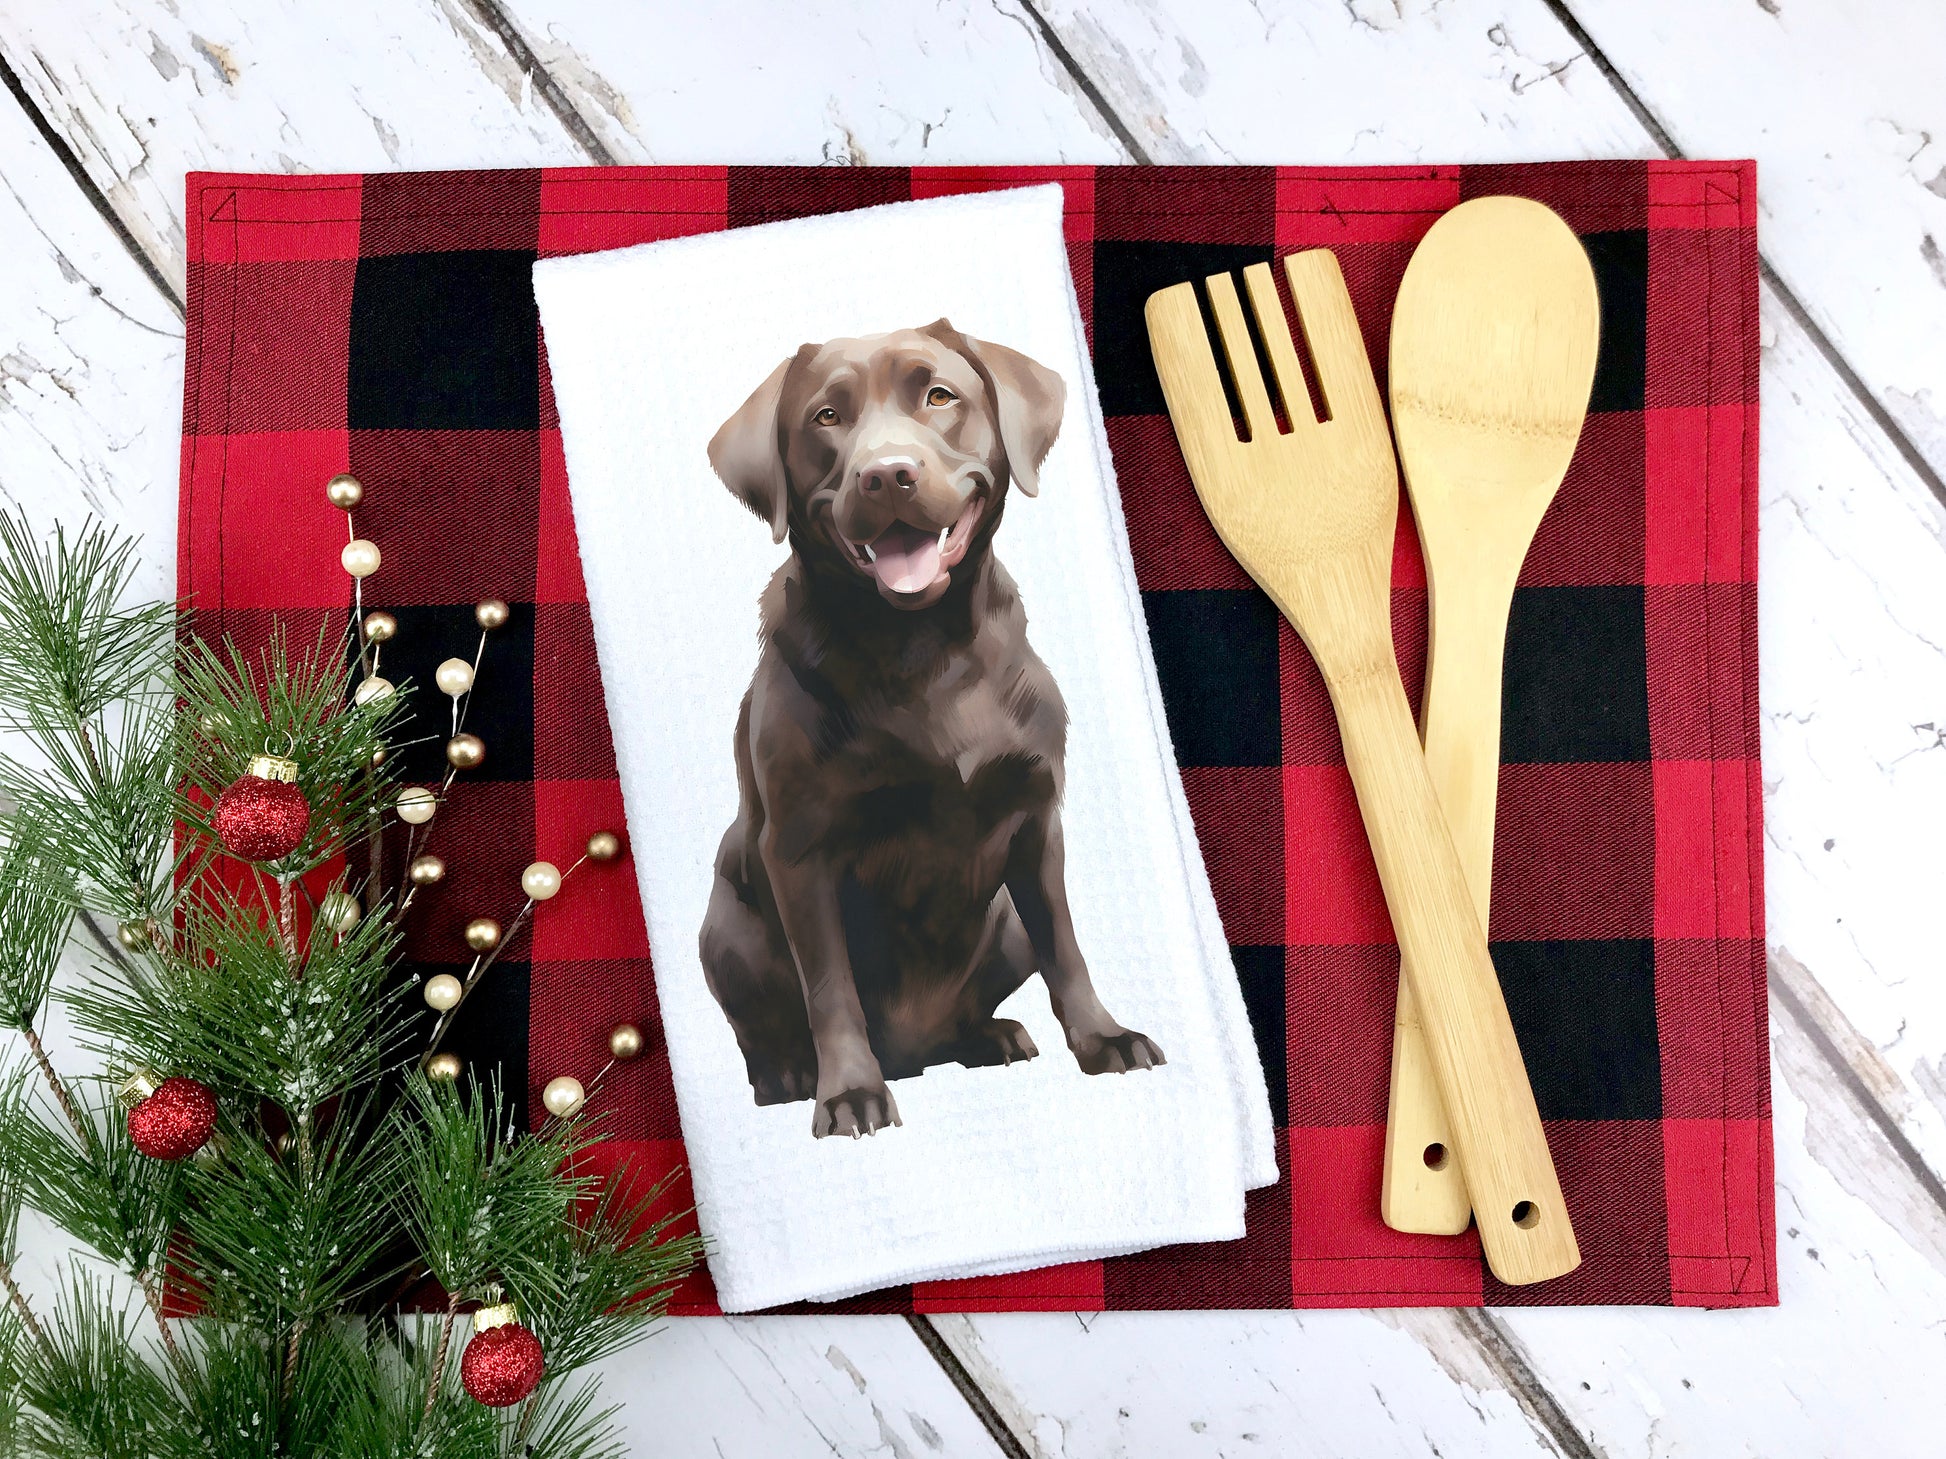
337, 1179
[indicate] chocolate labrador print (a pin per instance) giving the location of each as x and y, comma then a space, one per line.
895, 868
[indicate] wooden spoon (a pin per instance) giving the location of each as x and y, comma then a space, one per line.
1493, 355
1310, 512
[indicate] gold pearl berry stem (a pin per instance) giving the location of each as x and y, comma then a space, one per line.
565, 1096
541, 882
463, 751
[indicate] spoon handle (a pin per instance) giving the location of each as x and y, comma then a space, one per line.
1474, 1056
1424, 1186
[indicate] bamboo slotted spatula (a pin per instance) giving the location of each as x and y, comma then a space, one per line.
1311, 516
1493, 355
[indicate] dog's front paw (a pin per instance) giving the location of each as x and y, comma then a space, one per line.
864, 1109
1114, 1053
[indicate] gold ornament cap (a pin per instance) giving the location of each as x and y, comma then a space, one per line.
136, 1087
272, 767
500, 1314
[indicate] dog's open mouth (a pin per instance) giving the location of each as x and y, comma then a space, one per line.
907, 560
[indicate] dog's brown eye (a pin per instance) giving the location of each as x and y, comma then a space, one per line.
940, 395
826, 417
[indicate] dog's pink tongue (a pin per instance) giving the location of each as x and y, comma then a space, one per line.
907, 559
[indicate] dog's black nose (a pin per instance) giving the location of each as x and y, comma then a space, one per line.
890, 473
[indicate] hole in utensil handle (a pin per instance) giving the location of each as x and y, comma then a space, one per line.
1526, 1215
1436, 1156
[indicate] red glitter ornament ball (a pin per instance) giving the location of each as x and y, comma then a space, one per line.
174, 1122
263, 816
503, 1362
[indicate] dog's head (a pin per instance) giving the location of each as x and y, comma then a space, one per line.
888, 457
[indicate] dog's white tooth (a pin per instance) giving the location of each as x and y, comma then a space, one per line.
944, 533
870, 554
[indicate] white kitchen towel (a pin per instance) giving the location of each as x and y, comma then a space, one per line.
994, 1169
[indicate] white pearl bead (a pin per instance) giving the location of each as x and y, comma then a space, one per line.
374, 688
416, 805
541, 880
339, 911
360, 557
442, 991
453, 677
563, 1096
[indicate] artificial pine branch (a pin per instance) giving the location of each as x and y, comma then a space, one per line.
338, 1169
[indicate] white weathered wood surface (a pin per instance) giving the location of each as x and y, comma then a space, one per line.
1839, 102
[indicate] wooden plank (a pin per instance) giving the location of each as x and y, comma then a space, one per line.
1320, 1384
1366, 81
761, 1387
1840, 102
90, 363
1393, 104
962, 81
144, 91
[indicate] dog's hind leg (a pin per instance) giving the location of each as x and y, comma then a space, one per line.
984, 1039
749, 970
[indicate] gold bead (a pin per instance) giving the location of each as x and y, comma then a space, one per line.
286, 1142
563, 1096
625, 1041
483, 934
344, 490
360, 557
378, 756
442, 991
425, 870
491, 614
380, 626
416, 805
339, 911
454, 677
541, 880
604, 846
444, 1068
371, 690
133, 935
464, 752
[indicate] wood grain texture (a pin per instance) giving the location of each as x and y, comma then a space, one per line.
145, 91
960, 81
1854, 678
1310, 1385
1311, 513
1492, 357
1840, 102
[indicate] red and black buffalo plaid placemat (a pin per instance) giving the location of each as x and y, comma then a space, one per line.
386, 325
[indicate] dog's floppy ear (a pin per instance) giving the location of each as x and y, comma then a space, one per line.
1028, 399
747, 451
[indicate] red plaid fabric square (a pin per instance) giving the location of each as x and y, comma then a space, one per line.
386, 325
